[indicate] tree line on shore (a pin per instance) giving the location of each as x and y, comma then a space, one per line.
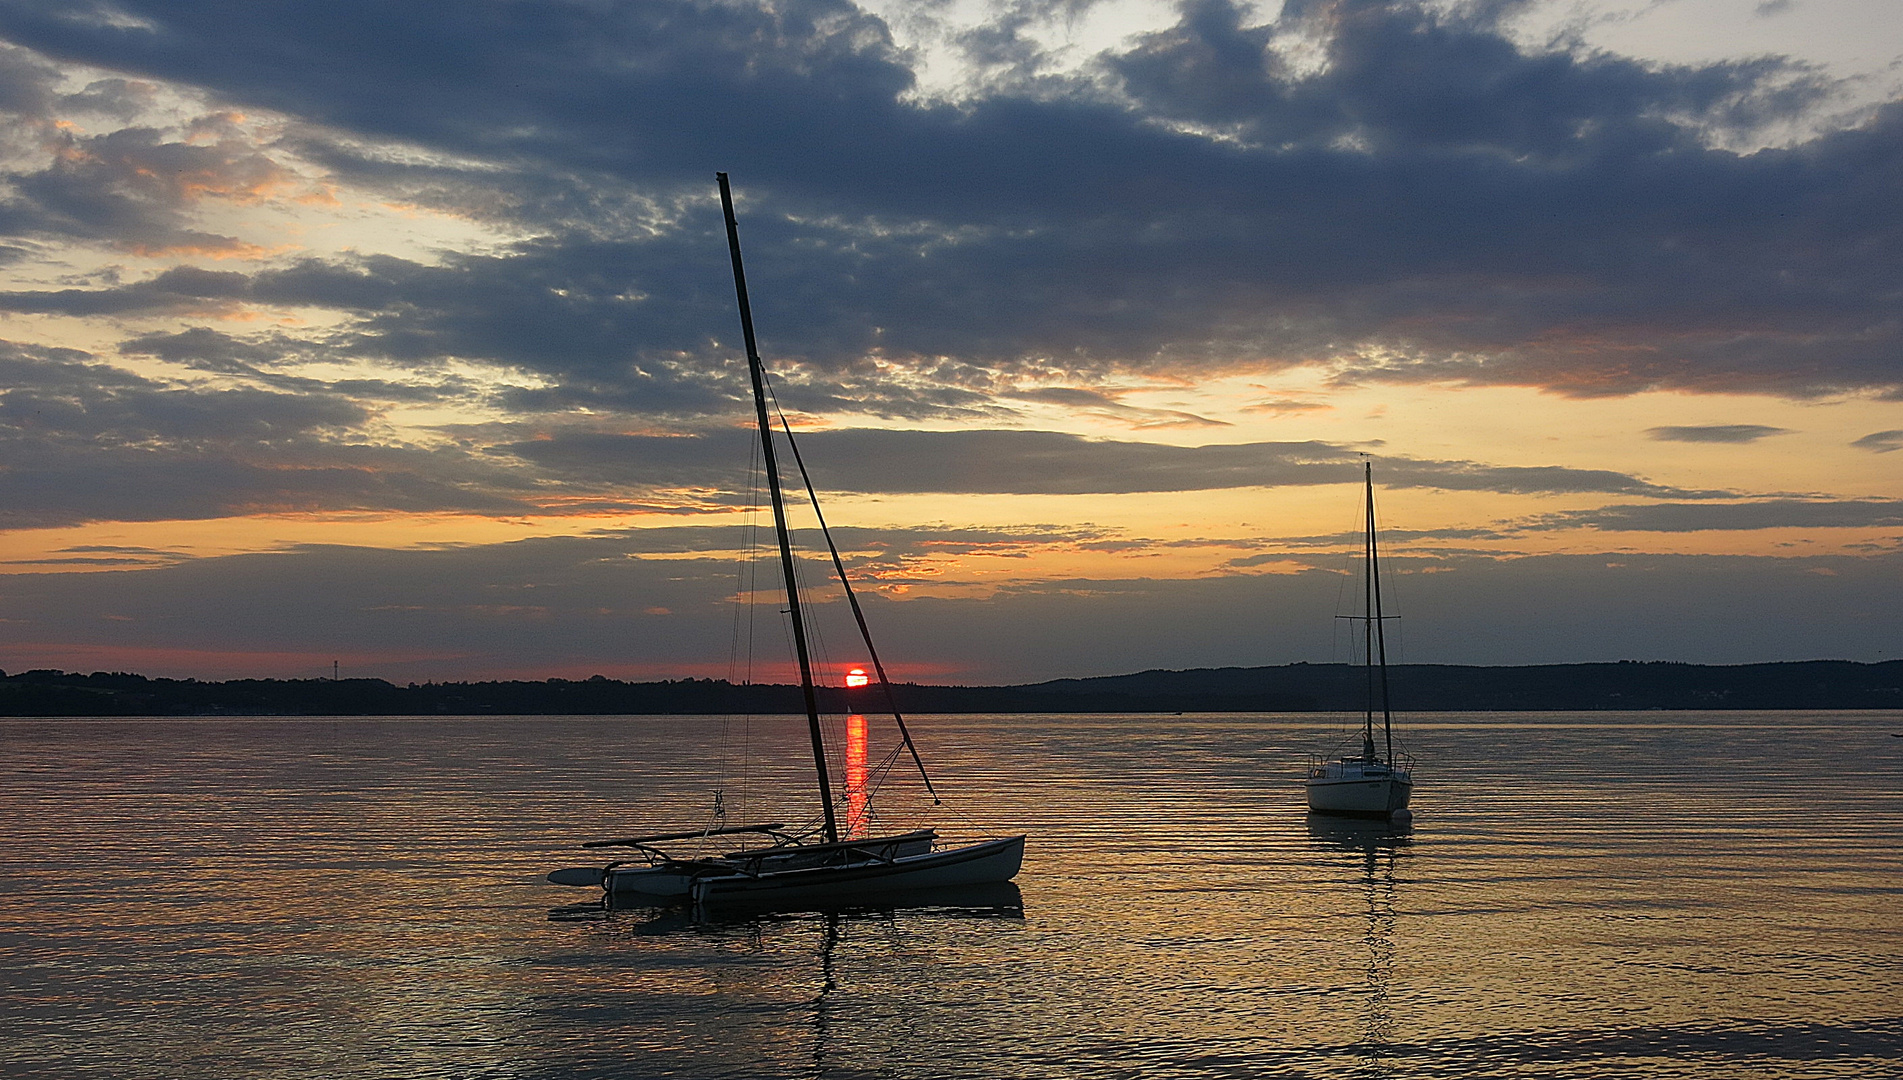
1626, 685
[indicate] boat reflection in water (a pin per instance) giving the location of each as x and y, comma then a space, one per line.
1371, 849
828, 966
641, 916
840, 1030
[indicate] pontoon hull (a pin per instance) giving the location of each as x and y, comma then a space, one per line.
657, 882
979, 864
674, 880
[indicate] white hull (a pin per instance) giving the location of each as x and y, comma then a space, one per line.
980, 864
652, 881
1344, 788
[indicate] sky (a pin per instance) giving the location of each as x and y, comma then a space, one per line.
402, 336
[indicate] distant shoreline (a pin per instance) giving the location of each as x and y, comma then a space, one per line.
1624, 685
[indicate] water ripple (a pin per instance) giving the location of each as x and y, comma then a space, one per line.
1667, 895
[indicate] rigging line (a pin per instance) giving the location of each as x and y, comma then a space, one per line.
815, 633
750, 600
967, 820
752, 565
742, 610
818, 646
859, 616
880, 773
886, 762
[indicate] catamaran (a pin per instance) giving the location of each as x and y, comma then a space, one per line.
1371, 784
794, 866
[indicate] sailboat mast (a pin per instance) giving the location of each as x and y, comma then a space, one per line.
1376, 623
756, 370
1367, 617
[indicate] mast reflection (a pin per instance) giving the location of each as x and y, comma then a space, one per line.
829, 982
1375, 847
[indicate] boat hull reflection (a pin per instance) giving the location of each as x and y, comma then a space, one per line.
1361, 835
996, 899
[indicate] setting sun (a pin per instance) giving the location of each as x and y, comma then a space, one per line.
857, 677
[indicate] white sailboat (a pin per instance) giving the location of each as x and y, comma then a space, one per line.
828, 866
1373, 783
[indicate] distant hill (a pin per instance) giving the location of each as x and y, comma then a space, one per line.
1811, 684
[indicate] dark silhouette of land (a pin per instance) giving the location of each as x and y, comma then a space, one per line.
1813, 684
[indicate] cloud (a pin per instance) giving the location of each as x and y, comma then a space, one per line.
1766, 514
1401, 74
1106, 405
1039, 462
177, 289
131, 187
202, 348
1428, 203
86, 441
1714, 433
1881, 442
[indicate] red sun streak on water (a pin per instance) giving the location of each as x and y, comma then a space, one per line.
855, 774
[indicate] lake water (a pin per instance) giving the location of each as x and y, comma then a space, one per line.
1580, 895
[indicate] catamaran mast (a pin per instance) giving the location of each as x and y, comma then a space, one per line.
756, 370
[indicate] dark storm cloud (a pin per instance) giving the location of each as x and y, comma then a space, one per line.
1768, 514
1432, 204
1043, 462
1714, 433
